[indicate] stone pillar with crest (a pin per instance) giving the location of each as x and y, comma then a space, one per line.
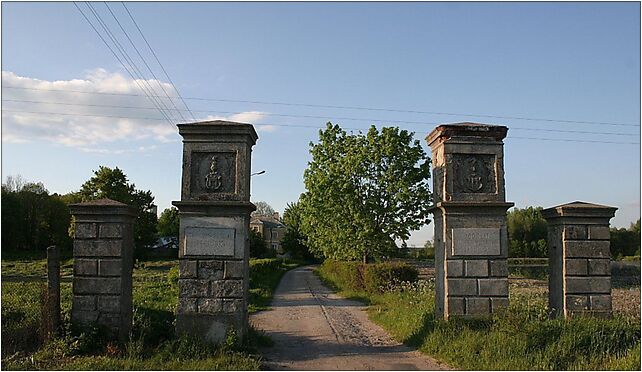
214, 215
471, 243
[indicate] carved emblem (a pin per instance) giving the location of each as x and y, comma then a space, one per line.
474, 173
213, 179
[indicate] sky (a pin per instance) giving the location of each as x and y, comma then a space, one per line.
550, 72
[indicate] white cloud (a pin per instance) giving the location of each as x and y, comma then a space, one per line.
85, 124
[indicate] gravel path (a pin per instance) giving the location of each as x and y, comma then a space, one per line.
314, 329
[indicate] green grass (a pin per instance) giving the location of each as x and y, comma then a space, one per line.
522, 338
153, 345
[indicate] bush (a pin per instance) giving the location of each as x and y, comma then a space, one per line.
371, 278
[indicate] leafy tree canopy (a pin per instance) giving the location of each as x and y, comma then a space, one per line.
113, 184
168, 222
527, 232
364, 191
294, 241
262, 209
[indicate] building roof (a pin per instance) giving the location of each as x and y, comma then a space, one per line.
267, 221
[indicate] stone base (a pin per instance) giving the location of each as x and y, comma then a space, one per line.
210, 327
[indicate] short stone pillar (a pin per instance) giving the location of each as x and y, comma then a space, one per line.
579, 262
471, 243
214, 224
103, 263
51, 321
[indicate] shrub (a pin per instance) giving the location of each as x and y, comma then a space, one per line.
371, 278
377, 277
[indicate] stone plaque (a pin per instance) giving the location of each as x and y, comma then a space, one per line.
209, 241
213, 173
474, 173
476, 242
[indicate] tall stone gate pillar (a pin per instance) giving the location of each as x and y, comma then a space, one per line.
103, 263
471, 243
579, 253
214, 223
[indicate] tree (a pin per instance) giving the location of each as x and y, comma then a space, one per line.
364, 191
293, 241
31, 218
258, 248
263, 209
113, 184
168, 222
625, 242
527, 233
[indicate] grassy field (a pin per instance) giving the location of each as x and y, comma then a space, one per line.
522, 338
153, 345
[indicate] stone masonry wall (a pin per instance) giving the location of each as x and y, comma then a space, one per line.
102, 275
476, 286
209, 286
587, 268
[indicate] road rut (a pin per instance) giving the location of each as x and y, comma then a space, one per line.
315, 329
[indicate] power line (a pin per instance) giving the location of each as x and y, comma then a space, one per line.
145, 62
314, 127
319, 117
150, 91
340, 107
117, 57
157, 59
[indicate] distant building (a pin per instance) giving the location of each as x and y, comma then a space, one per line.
271, 228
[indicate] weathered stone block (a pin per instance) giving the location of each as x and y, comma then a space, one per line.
84, 317
588, 285
85, 230
109, 304
211, 270
462, 287
94, 248
456, 306
493, 287
498, 304
600, 302
478, 241
96, 285
210, 305
574, 302
476, 268
187, 305
84, 303
232, 306
193, 288
599, 267
188, 269
233, 288
110, 320
576, 266
575, 232
234, 269
477, 306
499, 268
111, 230
587, 249
110, 267
455, 268
599, 232
85, 267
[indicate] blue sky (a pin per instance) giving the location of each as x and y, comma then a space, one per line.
562, 61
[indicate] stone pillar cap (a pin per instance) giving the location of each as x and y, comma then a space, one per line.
467, 129
217, 131
102, 206
579, 209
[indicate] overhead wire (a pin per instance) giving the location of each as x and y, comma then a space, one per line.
341, 107
313, 127
145, 62
149, 91
117, 58
316, 117
157, 59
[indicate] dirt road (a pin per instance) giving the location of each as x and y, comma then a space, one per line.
314, 329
